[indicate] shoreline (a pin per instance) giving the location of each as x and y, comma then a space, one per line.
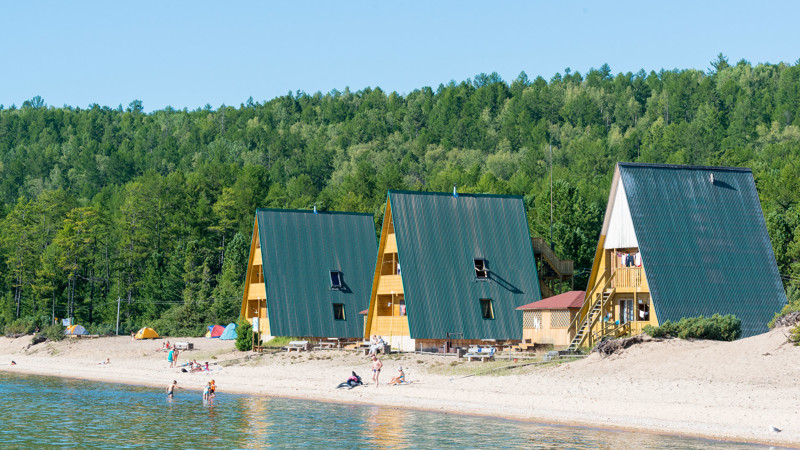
534, 421
688, 398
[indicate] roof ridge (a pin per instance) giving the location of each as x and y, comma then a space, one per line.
683, 166
450, 194
311, 211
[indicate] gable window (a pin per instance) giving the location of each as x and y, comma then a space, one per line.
336, 279
481, 271
338, 311
487, 310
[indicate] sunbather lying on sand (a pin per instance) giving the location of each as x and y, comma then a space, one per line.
351, 382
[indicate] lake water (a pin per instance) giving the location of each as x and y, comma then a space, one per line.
48, 412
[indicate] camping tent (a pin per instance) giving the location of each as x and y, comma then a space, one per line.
147, 333
75, 330
229, 333
215, 331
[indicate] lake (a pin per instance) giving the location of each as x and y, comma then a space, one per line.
47, 412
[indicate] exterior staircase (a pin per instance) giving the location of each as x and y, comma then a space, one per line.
592, 310
553, 267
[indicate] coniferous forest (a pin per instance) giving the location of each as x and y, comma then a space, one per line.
156, 209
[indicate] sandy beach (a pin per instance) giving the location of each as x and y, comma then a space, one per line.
723, 390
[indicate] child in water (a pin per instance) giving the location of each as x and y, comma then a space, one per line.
171, 388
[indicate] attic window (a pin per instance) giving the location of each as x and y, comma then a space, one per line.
336, 279
487, 311
481, 271
338, 311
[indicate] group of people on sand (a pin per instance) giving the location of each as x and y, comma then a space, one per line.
194, 366
355, 380
209, 391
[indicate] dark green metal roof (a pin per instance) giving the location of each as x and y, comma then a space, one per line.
299, 249
705, 247
438, 238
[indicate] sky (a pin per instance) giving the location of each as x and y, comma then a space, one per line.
187, 54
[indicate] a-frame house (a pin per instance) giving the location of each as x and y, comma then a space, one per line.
680, 241
451, 267
309, 273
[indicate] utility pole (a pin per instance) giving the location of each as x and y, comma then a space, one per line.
118, 302
551, 196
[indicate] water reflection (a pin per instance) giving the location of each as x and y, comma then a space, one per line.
47, 412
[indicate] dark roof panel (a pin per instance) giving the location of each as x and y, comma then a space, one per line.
299, 250
438, 238
704, 244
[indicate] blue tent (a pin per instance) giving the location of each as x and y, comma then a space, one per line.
229, 333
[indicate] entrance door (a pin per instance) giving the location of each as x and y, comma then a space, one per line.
626, 312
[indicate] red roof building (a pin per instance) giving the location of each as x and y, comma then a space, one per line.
571, 299
547, 322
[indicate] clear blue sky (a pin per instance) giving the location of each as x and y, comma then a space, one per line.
192, 53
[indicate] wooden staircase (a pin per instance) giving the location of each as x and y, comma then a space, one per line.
553, 268
592, 310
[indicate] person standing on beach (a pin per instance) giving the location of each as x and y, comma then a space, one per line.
170, 358
175, 354
376, 369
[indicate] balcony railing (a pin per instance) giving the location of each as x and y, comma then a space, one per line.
628, 277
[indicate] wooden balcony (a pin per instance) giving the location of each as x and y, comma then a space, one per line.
256, 291
391, 243
257, 257
389, 284
388, 326
629, 279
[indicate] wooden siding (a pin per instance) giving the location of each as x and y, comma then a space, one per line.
254, 298
257, 291
546, 334
389, 284
391, 244
390, 326
628, 283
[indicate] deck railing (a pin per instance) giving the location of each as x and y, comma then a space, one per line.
628, 277
562, 266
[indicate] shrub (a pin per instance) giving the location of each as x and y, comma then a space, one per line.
101, 329
793, 295
244, 336
716, 327
794, 335
53, 332
22, 325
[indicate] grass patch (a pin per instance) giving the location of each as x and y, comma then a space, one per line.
280, 341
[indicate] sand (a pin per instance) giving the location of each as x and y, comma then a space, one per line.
722, 390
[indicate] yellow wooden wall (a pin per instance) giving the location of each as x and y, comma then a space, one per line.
254, 300
628, 284
387, 283
546, 334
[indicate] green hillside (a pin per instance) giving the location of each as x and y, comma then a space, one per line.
157, 209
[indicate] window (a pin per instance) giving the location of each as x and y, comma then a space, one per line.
625, 311
481, 271
486, 308
336, 279
338, 311
644, 311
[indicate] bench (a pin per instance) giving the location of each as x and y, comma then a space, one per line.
483, 354
385, 349
183, 346
297, 345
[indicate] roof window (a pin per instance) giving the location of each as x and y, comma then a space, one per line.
336, 280
481, 270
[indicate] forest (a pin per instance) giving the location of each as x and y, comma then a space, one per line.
104, 208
